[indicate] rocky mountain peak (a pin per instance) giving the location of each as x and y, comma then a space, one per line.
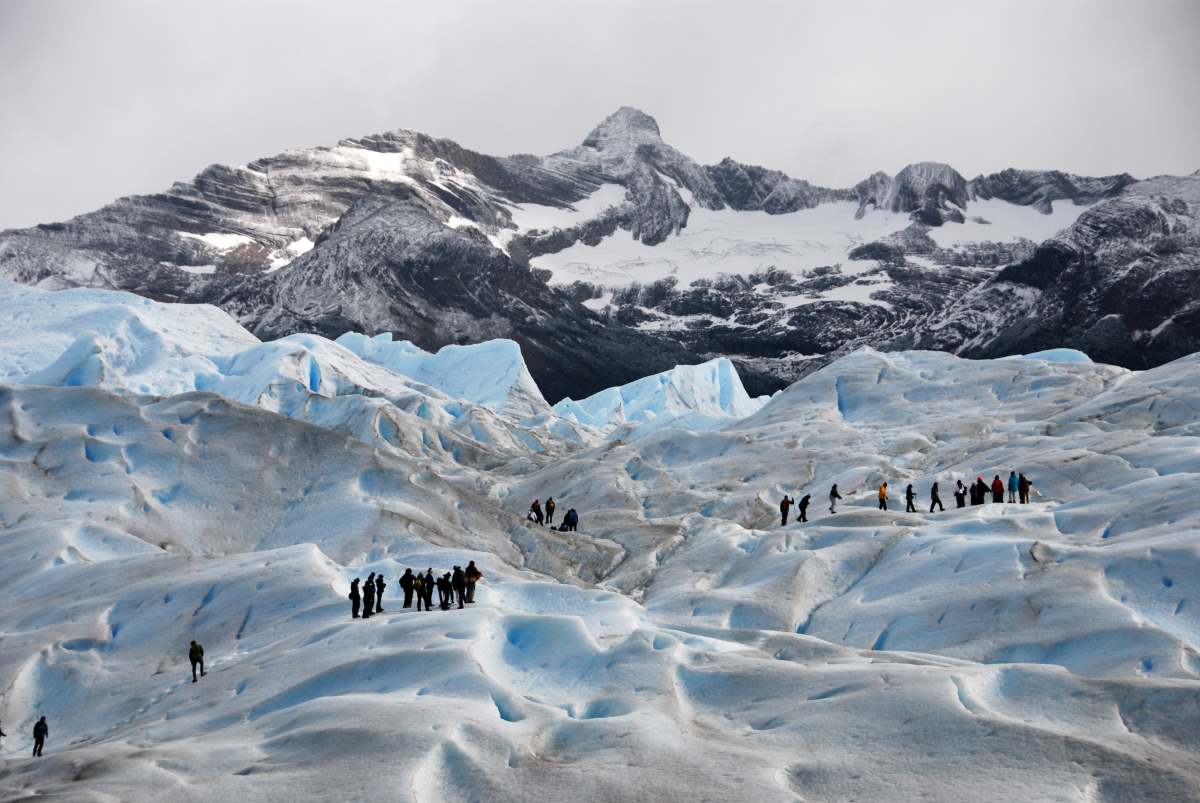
626, 125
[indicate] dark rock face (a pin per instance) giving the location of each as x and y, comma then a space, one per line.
1040, 188
406, 233
747, 188
1122, 284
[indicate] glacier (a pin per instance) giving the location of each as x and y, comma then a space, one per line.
166, 476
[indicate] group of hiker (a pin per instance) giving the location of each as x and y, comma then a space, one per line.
1018, 486
453, 586
570, 519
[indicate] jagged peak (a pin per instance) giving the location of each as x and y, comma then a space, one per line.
626, 125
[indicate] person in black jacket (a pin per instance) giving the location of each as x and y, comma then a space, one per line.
572, 520
834, 496
473, 577
444, 591
935, 499
368, 589
960, 494
909, 507
459, 581
355, 598
428, 585
41, 732
785, 505
196, 656
406, 585
379, 586
802, 506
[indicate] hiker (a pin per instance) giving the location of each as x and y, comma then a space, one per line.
419, 588
535, 512
473, 577
803, 507
379, 586
459, 581
834, 496
979, 491
550, 510
998, 490
1012, 486
407, 581
935, 499
368, 590
909, 494
960, 494
784, 507
444, 592
572, 520
355, 598
883, 496
40, 732
196, 656
428, 584
1023, 489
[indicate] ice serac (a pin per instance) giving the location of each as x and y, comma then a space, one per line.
688, 396
491, 373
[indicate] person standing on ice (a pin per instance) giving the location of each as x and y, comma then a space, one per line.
572, 520
1023, 489
883, 497
960, 494
427, 585
406, 585
909, 495
473, 577
444, 591
459, 581
355, 598
550, 511
368, 590
998, 490
1012, 486
935, 499
41, 732
979, 491
196, 656
802, 506
535, 512
419, 587
834, 496
379, 586
784, 506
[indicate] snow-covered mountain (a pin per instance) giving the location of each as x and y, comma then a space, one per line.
165, 475
622, 256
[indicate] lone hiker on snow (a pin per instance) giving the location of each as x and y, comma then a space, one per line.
784, 506
834, 496
883, 496
41, 731
196, 656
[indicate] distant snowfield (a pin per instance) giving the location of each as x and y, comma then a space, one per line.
1006, 222
164, 476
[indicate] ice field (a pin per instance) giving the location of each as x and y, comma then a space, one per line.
165, 476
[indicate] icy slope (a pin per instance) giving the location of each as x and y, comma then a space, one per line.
125, 343
688, 396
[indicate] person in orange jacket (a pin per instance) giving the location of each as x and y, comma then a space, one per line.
883, 496
997, 490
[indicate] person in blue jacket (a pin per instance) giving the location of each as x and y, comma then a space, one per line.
1013, 483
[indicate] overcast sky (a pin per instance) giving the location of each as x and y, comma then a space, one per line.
101, 99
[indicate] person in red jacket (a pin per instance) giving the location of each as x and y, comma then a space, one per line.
998, 489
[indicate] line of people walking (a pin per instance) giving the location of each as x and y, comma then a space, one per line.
1019, 488
570, 519
456, 586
